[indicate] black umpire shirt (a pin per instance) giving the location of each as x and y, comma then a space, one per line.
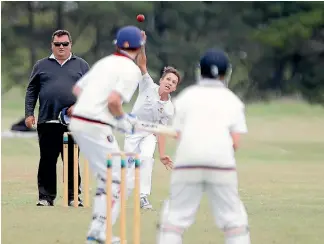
53, 83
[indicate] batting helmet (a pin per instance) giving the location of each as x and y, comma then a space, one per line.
214, 63
129, 37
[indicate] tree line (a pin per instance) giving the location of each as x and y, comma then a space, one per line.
276, 48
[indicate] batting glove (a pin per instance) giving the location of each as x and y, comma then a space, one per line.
126, 123
63, 118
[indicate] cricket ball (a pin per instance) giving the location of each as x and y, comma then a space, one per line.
140, 18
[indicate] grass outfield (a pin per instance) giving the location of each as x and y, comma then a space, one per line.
281, 169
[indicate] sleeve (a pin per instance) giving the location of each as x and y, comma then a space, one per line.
32, 91
146, 82
127, 84
179, 113
239, 124
85, 67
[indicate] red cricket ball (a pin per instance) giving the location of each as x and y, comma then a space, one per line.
140, 18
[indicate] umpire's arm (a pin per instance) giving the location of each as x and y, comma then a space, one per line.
32, 91
84, 67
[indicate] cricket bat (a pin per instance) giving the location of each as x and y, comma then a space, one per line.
155, 128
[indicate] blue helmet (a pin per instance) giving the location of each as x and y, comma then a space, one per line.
129, 37
214, 63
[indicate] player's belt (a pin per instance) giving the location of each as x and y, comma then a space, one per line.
139, 126
207, 167
91, 120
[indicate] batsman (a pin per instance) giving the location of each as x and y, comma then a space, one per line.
100, 94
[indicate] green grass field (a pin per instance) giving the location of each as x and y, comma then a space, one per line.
281, 171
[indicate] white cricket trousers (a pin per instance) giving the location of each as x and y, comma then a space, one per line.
145, 147
179, 212
95, 143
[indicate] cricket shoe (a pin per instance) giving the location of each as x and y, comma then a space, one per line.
80, 203
145, 204
44, 202
102, 240
97, 234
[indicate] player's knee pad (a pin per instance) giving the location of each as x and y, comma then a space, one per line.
115, 188
100, 218
102, 180
100, 191
236, 231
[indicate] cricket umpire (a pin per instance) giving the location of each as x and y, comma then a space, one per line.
51, 82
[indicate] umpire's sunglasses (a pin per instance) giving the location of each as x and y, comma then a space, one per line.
58, 44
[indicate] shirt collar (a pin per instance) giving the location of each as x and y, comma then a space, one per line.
53, 57
211, 82
157, 91
123, 54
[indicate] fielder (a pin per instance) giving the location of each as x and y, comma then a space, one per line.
100, 94
153, 104
210, 119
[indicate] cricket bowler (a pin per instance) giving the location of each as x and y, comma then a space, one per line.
153, 104
100, 93
210, 119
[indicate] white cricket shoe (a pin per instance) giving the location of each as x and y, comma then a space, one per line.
102, 240
97, 234
145, 204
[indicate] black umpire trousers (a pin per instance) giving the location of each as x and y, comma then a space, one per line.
50, 138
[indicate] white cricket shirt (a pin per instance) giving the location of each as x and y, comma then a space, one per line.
205, 114
148, 105
116, 72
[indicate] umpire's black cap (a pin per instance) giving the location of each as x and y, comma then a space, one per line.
214, 63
